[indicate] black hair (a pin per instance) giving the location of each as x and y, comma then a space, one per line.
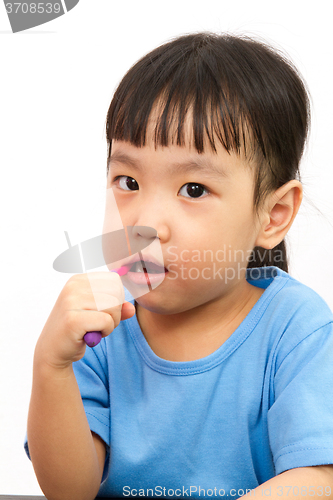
240, 91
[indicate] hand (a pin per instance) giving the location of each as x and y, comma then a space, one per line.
88, 302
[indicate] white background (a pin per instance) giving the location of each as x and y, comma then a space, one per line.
55, 88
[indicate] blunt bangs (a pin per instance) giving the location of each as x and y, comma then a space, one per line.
180, 82
213, 114
238, 91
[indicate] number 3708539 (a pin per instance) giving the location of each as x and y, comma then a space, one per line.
33, 8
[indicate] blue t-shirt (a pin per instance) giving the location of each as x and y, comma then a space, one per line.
260, 404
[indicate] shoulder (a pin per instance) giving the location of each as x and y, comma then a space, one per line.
290, 298
302, 320
307, 310
292, 311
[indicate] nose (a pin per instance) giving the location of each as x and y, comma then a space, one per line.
146, 232
140, 237
152, 220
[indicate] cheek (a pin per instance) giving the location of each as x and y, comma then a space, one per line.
112, 217
240, 221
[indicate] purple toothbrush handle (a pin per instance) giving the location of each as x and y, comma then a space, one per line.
92, 338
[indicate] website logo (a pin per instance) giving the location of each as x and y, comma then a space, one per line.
28, 14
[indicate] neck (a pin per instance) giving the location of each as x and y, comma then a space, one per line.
196, 333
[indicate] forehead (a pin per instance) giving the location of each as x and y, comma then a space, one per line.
178, 160
199, 132
170, 140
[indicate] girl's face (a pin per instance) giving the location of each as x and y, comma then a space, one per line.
201, 206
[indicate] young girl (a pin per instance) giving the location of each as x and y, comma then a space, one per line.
218, 382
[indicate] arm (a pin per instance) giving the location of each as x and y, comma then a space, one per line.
303, 483
68, 459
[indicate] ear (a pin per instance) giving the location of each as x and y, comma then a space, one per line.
280, 211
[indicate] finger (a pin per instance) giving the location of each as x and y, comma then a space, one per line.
104, 285
78, 322
127, 311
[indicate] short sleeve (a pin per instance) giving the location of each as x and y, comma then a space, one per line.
300, 420
91, 373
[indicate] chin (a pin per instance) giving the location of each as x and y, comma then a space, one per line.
158, 305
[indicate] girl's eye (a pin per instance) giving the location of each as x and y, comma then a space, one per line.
127, 183
193, 190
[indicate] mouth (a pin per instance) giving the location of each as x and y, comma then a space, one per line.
145, 272
148, 267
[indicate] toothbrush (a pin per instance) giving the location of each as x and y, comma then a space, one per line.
94, 338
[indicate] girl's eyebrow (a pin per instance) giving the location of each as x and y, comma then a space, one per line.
198, 165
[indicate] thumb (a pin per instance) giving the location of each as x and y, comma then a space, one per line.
127, 310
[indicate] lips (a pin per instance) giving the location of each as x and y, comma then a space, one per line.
148, 262
145, 271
